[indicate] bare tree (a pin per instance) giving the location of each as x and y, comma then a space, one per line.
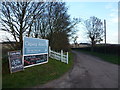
75, 40
41, 20
18, 18
54, 23
94, 27
40, 27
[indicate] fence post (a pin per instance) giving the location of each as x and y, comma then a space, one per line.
61, 55
67, 58
49, 51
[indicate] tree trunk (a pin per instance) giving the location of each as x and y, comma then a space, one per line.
21, 43
92, 47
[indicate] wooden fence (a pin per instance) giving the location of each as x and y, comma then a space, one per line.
58, 56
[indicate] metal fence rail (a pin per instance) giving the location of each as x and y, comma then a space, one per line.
58, 56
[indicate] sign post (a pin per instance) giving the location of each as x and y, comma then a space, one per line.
35, 51
15, 61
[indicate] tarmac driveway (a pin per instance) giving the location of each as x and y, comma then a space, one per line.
88, 72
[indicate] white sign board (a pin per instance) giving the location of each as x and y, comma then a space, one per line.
35, 51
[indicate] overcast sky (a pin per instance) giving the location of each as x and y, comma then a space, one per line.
84, 10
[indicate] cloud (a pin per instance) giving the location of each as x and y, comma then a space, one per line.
114, 20
113, 17
112, 39
109, 6
112, 23
113, 13
4, 35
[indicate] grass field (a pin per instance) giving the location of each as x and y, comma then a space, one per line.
35, 75
106, 57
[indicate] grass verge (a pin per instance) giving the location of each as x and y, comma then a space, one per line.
106, 57
36, 75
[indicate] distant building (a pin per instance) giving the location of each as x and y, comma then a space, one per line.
80, 45
84, 45
75, 45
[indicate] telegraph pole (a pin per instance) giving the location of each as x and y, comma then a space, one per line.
105, 33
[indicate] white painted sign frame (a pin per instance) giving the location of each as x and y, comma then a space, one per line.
35, 54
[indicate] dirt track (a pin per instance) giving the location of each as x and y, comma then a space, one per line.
88, 72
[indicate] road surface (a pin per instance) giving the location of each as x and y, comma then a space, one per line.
88, 72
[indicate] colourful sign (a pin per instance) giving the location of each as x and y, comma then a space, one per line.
35, 59
34, 46
35, 51
15, 61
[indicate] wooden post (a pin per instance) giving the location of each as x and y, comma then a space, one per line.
49, 51
105, 34
61, 55
67, 57
105, 30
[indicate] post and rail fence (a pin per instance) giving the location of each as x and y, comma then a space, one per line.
58, 56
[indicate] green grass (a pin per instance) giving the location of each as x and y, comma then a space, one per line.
106, 57
36, 75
